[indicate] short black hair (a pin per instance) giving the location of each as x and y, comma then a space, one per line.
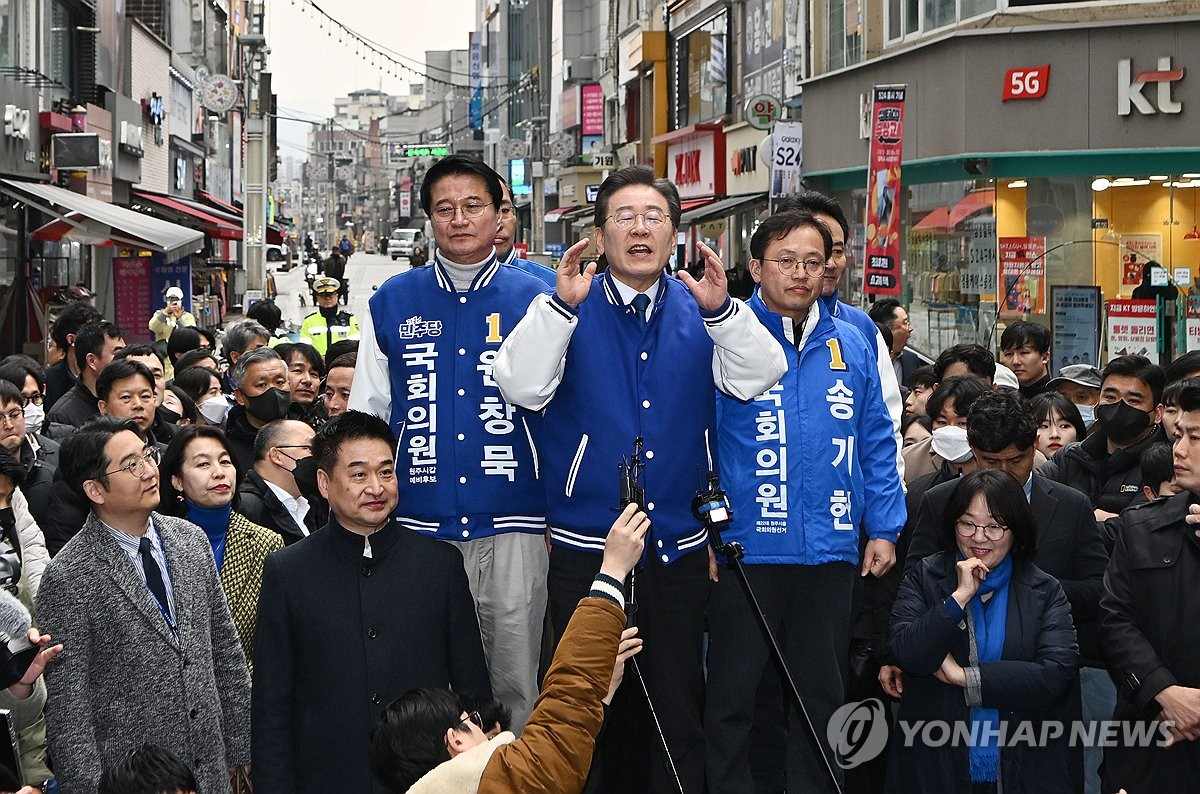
1024, 333
348, 426
120, 370
346, 360
173, 503
71, 320
410, 738
963, 389
17, 367
11, 468
636, 175
140, 350
193, 357
922, 376
266, 313
182, 340
81, 456
886, 333
460, 164
148, 769
1158, 465
1006, 502
1185, 365
884, 311
9, 393
190, 411
288, 349
1138, 367
916, 419
781, 224
340, 348
195, 381
979, 361
997, 420
90, 340
816, 203
1052, 401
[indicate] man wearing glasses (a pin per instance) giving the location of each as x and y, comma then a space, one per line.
135, 596
808, 465
630, 354
467, 462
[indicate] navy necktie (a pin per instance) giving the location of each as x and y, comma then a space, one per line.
154, 577
640, 303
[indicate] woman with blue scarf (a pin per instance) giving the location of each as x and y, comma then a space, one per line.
199, 482
988, 648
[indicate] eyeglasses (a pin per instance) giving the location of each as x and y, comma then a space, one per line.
787, 265
967, 529
34, 399
507, 212
653, 219
137, 467
14, 417
446, 212
473, 717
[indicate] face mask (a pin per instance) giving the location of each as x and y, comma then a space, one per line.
1088, 412
169, 416
950, 444
215, 410
270, 405
8, 519
305, 474
1121, 421
35, 417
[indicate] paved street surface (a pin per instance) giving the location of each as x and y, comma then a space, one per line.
364, 271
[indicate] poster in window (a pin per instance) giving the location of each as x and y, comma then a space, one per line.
1023, 275
1136, 251
1075, 321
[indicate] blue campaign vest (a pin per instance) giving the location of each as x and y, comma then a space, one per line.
811, 460
466, 461
620, 382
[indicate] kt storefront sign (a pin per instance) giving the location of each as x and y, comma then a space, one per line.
1130, 85
881, 274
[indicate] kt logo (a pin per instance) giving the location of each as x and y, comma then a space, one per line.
1129, 88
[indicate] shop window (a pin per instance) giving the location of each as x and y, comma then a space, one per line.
59, 40
910, 18
10, 23
701, 88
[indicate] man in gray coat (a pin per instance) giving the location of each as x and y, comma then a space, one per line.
150, 651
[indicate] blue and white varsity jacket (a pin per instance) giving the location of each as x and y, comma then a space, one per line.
812, 459
466, 460
542, 272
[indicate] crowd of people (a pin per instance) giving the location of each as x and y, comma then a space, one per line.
423, 560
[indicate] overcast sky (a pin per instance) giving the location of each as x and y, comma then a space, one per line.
310, 68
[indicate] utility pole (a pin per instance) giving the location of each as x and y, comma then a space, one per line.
258, 101
331, 192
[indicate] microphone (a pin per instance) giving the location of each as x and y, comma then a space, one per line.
16, 651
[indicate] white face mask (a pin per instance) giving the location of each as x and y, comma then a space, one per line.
215, 410
35, 417
950, 444
1088, 412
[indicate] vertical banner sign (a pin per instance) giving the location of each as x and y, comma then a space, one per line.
132, 294
1132, 328
787, 158
476, 108
591, 109
881, 274
1023, 275
1191, 324
1075, 316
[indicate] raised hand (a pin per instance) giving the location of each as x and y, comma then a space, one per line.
711, 290
572, 284
970, 573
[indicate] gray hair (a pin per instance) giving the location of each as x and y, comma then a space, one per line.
239, 336
245, 362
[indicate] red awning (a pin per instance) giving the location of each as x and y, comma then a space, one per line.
275, 235
934, 220
556, 215
942, 219
212, 225
218, 203
695, 204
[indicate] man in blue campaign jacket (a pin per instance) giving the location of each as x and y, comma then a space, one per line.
806, 464
506, 235
467, 461
630, 354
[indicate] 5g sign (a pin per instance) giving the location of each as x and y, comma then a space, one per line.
1027, 82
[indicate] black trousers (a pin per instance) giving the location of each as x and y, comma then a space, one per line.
670, 602
808, 608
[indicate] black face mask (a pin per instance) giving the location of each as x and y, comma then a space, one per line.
305, 474
328, 312
1122, 422
8, 520
270, 405
169, 416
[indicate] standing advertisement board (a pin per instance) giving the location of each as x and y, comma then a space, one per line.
882, 267
1132, 329
1075, 317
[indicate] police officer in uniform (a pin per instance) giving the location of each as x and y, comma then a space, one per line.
328, 324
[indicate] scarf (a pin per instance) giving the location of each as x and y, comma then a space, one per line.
215, 523
988, 621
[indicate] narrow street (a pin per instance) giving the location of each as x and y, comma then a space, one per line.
364, 271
